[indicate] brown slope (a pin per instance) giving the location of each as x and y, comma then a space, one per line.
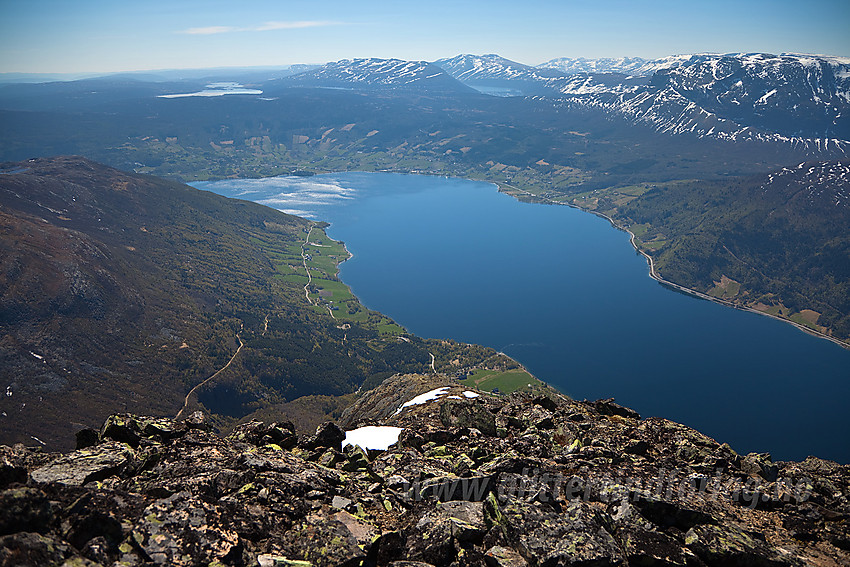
118, 291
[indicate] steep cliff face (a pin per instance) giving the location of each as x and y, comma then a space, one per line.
469, 478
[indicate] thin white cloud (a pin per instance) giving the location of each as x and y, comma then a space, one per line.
267, 26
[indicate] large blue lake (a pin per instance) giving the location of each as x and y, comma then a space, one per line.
566, 295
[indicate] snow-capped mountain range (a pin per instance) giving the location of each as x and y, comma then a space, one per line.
377, 73
576, 65
634, 66
798, 99
794, 95
492, 74
788, 98
491, 66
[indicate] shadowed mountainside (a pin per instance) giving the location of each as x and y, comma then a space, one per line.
122, 292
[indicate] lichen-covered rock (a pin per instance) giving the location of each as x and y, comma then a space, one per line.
327, 435
558, 482
15, 462
728, 546
652, 547
323, 541
467, 414
86, 465
609, 407
498, 556
181, 530
123, 428
667, 513
24, 509
356, 459
258, 433
270, 560
466, 519
26, 548
446, 531
761, 465
576, 536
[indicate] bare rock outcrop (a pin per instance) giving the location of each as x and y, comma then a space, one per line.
474, 479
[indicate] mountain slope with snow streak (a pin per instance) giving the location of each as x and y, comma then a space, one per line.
378, 73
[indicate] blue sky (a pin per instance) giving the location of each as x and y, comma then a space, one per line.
54, 36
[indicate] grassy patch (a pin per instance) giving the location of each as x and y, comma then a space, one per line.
506, 382
293, 278
808, 318
339, 292
726, 288
639, 229
654, 245
633, 190
387, 327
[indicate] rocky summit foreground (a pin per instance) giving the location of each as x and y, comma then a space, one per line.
473, 479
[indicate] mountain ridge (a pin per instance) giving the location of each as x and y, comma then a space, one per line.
622, 65
374, 73
787, 98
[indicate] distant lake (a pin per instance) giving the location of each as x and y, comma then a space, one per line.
565, 294
217, 89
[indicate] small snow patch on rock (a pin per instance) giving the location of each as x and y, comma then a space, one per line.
373, 437
423, 398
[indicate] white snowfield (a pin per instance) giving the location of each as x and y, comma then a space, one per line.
423, 398
373, 437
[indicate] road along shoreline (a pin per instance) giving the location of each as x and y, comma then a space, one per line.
511, 190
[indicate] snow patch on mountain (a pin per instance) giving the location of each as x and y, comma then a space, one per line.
579, 65
802, 100
820, 182
631, 66
392, 73
468, 68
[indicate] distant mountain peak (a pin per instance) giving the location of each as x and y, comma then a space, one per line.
371, 73
469, 67
494, 74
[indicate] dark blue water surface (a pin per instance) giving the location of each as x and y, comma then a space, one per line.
565, 294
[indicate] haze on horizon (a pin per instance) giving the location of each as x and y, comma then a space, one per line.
103, 36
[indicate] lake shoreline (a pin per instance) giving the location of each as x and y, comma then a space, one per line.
654, 275
350, 256
560, 325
